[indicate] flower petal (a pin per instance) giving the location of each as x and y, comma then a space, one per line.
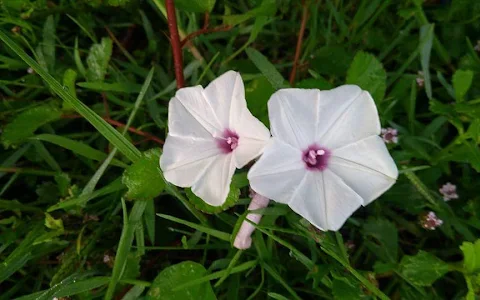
293, 116
190, 114
325, 200
348, 114
226, 95
366, 167
213, 187
278, 172
247, 150
185, 159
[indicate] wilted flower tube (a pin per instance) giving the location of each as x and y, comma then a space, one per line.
243, 240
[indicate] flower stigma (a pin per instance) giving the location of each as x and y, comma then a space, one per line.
316, 158
228, 141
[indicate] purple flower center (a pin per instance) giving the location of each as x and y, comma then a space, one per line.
388, 136
316, 158
228, 141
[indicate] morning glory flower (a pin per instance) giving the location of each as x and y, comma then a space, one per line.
326, 158
211, 133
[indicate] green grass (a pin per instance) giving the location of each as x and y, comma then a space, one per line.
85, 212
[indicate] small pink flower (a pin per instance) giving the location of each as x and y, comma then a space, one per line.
350, 245
430, 221
449, 191
390, 135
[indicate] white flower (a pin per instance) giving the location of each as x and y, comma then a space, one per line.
325, 159
211, 133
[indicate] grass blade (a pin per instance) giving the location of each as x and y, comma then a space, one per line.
216, 233
103, 127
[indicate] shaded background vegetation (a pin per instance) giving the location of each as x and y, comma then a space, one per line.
78, 202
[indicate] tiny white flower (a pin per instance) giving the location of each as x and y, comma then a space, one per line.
389, 135
211, 133
449, 191
326, 158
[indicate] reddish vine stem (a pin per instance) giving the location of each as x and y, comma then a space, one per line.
175, 41
204, 30
298, 49
147, 135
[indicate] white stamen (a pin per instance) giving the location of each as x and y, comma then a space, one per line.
320, 152
229, 140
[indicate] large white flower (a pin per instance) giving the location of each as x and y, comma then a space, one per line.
325, 159
211, 133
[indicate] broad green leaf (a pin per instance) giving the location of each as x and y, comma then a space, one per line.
386, 238
201, 205
267, 8
103, 127
98, 59
240, 180
25, 124
331, 60
368, 73
257, 93
343, 289
314, 83
471, 256
48, 45
144, 177
462, 80
163, 285
124, 87
425, 50
473, 131
268, 70
197, 6
423, 269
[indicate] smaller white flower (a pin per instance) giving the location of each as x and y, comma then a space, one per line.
211, 133
326, 158
449, 191
389, 135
